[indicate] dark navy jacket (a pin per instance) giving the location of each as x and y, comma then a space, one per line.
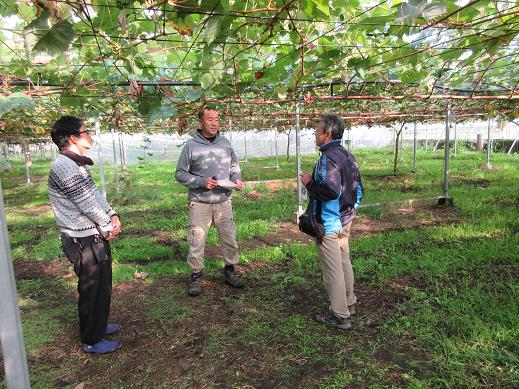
335, 189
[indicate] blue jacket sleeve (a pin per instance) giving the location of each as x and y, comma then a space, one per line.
360, 193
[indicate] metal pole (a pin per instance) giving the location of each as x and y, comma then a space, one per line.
401, 144
414, 147
513, 144
28, 163
447, 153
489, 147
298, 159
11, 336
245, 140
276, 143
100, 157
455, 139
116, 171
426, 136
230, 131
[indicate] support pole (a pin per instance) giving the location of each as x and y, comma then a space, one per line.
116, 171
28, 163
276, 146
245, 141
414, 147
446, 200
100, 158
489, 147
513, 144
426, 136
11, 336
298, 162
455, 139
121, 151
230, 131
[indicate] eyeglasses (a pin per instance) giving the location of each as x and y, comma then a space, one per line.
86, 131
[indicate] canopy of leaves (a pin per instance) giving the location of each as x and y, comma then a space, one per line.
139, 61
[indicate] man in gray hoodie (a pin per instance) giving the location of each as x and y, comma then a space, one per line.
206, 163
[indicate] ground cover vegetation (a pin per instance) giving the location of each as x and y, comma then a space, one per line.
437, 287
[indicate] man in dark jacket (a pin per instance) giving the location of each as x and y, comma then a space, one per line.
335, 191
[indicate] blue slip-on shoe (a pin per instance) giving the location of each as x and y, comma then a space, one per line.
112, 328
102, 347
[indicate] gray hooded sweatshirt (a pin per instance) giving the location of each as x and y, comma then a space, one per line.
200, 159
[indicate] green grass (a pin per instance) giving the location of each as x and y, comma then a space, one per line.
452, 288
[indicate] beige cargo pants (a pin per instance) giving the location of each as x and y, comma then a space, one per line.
334, 256
201, 217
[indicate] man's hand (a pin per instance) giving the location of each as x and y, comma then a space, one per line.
305, 178
210, 183
116, 223
239, 184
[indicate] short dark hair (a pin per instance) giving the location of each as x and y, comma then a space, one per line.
201, 112
333, 123
64, 127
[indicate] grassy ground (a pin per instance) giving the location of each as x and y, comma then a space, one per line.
438, 289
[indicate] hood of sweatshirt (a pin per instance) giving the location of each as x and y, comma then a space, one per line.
199, 138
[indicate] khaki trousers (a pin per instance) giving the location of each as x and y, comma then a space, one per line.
334, 256
201, 217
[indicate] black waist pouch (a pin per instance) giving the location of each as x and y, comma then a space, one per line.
310, 226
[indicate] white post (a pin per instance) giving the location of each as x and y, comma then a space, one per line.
426, 136
245, 140
276, 143
414, 147
447, 154
489, 147
230, 131
11, 336
100, 158
298, 159
513, 144
455, 139
116, 172
28, 163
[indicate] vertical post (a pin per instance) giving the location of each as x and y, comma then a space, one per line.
298, 159
28, 163
349, 139
455, 139
401, 144
116, 172
426, 136
230, 131
276, 146
245, 141
100, 157
414, 147
121, 151
446, 199
513, 144
11, 336
489, 147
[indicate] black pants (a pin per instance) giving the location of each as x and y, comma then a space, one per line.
94, 269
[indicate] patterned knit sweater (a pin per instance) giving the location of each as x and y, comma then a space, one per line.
77, 203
